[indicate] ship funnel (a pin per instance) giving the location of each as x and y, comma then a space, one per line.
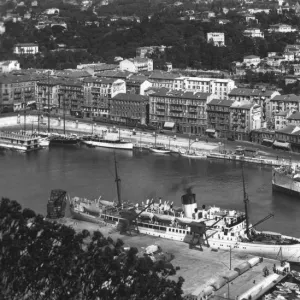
189, 204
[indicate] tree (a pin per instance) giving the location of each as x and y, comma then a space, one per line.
45, 260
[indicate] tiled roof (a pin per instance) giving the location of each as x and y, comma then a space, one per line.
163, 75
114, 74
130, 97
281, 113
26, 45
181, 94
220, 102
72, 73
294, 116
6, 79
251, 56
250, 92
100, 80
287, 97
290, 129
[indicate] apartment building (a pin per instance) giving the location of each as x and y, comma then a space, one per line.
261, 97
220, 88
216, 38
251, 60
186, 111
293, 118
244, 117
281, 103
48, 93
16, 92
26, 48
97, 94
161, 79
218, 117
137, 85
130, 109
71, 97
136, 65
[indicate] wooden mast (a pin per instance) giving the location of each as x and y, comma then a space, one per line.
48, 101
246, 201
117, 181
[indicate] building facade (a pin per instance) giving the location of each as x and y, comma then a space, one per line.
9, 65
137, 86
281, 28
216, 38
47, 93
251, 60
17, 92
136, 65
161, 79
26, 48
220, 88
185, 110
253, 33
244, 117
130, 109
97, 94
218, 117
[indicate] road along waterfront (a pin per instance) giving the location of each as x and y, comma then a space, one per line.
86, 172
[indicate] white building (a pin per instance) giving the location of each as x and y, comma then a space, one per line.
215, 86
9, 65
282, 28
2, 27
253, 33
251, 60
51, 11
136, 65
26, 48
217, 38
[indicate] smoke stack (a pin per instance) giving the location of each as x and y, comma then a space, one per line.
189, 204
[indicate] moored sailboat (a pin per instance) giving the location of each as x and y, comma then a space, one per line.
159, 149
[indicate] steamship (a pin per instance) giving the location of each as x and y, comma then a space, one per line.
286, 179
212, 227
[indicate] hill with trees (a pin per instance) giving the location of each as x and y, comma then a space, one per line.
45, 260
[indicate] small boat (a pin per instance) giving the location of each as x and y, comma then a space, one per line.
44, 142
160, 150
192, 154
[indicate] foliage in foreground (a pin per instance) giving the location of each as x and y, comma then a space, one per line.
45, 260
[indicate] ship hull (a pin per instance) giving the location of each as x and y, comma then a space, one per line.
70, 142
285, 184
116, 145
159, 151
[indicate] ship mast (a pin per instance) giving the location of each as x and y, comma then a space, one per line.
246, 201
117, 180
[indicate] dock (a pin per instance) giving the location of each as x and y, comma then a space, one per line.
253, 160
199, 268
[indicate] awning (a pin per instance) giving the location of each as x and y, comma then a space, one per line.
281, 145
169, 125
30, 102
211, 130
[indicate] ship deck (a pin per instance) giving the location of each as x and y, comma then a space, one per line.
196, 266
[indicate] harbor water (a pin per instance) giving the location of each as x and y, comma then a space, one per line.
89, 172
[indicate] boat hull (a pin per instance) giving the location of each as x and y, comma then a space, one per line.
117, 145
194, 156
70, 142
285, 184
159, 151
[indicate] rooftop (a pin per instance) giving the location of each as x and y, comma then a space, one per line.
287, 97
163, 75
71, 73
242, 104
251, 92
100, 80
181, 94
220, 102
6, 79
251, 56
114, 74
26, 45
130, 97
294, 116
290, 129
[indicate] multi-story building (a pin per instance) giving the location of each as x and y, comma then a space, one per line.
186, 111
26, 48
244, 117
130, 109
71, 97
261, 97
282, 103
281, 28
137, 85
17, 92
97, 94
142, 52
253, 33
217, 38
220, 88
218, 117
280, 119
162, 79
288, 137
293, 118
136, 65
48, 93
9, 65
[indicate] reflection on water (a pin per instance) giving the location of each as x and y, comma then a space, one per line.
89, 172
